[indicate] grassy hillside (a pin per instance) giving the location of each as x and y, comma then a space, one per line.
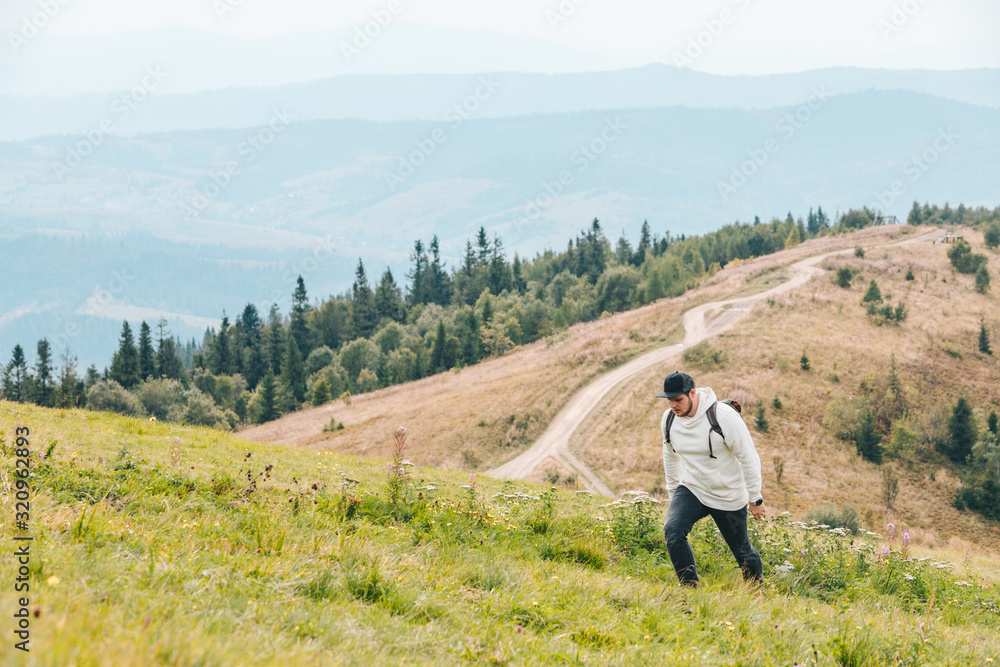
477, 417
159, 544
850, 357
480, 416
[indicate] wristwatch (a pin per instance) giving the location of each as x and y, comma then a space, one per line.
759, 501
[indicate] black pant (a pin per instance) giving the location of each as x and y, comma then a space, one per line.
685, 510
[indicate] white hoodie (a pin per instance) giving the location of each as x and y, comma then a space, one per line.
726, 482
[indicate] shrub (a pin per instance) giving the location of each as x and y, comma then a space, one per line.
109, 396
980, 495
992, 235
198, 410
828, 515
963, 259
890, 486
902, 441
319, 358
705, 357
845, 275
887, 314
367, 380
635, 523
159, 396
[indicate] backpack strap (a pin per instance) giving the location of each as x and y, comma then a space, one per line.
666, 429
713, 422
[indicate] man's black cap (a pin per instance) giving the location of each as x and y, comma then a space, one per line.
675, 384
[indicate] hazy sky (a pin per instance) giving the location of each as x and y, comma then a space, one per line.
757, 36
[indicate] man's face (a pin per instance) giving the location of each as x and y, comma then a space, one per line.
681, 405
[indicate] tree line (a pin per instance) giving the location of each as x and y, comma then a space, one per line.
258, 366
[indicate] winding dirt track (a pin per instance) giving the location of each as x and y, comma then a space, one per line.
700, 323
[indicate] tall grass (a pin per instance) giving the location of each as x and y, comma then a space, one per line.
140, 561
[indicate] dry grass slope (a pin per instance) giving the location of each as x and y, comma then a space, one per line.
480, 416
937, 360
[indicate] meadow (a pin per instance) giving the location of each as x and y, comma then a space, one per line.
157, 544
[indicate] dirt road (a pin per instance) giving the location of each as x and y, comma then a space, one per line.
700, 323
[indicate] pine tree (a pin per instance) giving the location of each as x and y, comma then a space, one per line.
867, 439
517, 274
793, 239
268, 399
804, 361
71, 390
623, 251
470, 345
252, 324
297, 326
482, 246
419, 276
982, 279
253, 362
389, 299
438, 350
125, 363
487, 310
440, 282
760, 420
147, 358
961, 432
500, 274
362, 304
321, 392
15, 377
293, 371
984, 338
44, 385
645, 243
219, 357
168, 363
275, 340
93, 376
916, 215
873, 294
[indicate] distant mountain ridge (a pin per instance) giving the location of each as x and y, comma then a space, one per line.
406, 97
370, 189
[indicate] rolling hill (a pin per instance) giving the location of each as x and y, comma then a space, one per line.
483, 415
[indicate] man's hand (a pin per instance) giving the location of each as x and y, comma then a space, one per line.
757, 510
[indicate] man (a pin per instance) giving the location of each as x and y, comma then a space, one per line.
708, 475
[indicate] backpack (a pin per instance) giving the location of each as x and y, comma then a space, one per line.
713, 422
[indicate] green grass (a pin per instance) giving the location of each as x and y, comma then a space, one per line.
147, 553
